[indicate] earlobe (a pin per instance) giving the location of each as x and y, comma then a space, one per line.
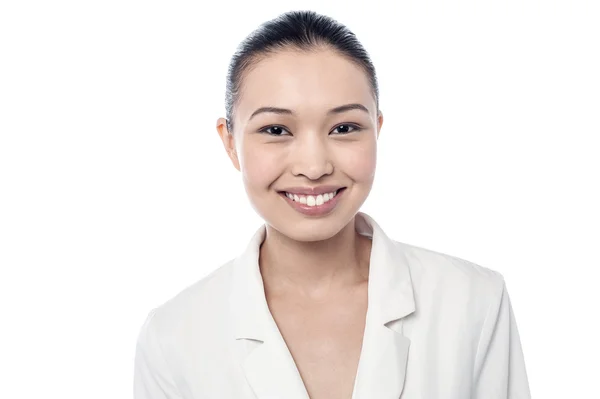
234, 158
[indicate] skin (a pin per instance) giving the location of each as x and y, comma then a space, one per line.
315, 269
311, 256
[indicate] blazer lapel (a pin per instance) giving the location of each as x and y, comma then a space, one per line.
266, 361
384, 358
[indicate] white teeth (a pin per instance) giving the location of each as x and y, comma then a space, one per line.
311, 200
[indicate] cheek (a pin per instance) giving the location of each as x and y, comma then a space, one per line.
359, 162
259, 167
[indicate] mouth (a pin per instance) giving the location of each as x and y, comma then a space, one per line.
313, 205
312, 200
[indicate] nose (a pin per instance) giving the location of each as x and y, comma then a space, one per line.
311, 157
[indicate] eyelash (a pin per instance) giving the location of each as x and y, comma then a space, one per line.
355, 128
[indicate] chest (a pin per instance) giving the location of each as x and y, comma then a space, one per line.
325, 340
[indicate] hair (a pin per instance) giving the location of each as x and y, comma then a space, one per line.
303, 31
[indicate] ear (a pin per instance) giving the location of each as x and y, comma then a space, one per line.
228, 141
379, 122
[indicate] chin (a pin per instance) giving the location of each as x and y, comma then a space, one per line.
310, 234
305, 229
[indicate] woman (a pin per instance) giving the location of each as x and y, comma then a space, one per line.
322, 303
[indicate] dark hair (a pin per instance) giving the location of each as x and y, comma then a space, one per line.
300, 30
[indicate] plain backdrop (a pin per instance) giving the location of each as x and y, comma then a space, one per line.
116, 193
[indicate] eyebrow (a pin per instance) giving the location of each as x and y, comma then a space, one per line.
284, 111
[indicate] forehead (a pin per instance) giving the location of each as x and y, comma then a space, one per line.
306, 82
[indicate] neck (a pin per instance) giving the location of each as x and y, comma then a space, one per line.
316, 268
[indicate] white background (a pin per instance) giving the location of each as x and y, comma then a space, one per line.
116, 192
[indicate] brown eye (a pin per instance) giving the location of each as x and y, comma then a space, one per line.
274, 130
346, 128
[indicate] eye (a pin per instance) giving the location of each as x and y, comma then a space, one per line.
276, 130
347, 126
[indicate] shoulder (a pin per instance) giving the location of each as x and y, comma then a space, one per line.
450, 272
188, 327
201, 303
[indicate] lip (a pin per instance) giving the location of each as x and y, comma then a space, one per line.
312, 190
317, 210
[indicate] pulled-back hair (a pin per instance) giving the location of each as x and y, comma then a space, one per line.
298, 30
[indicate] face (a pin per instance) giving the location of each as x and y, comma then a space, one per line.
307, 143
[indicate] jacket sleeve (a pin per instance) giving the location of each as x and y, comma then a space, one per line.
152, 378
500, 371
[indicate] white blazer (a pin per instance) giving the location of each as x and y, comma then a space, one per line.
437, 327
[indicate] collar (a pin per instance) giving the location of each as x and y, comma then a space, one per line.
390, 290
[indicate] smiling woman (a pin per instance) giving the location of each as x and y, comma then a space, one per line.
322, 303
307, 116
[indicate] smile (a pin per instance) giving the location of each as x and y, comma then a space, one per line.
312, 200
313, 205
